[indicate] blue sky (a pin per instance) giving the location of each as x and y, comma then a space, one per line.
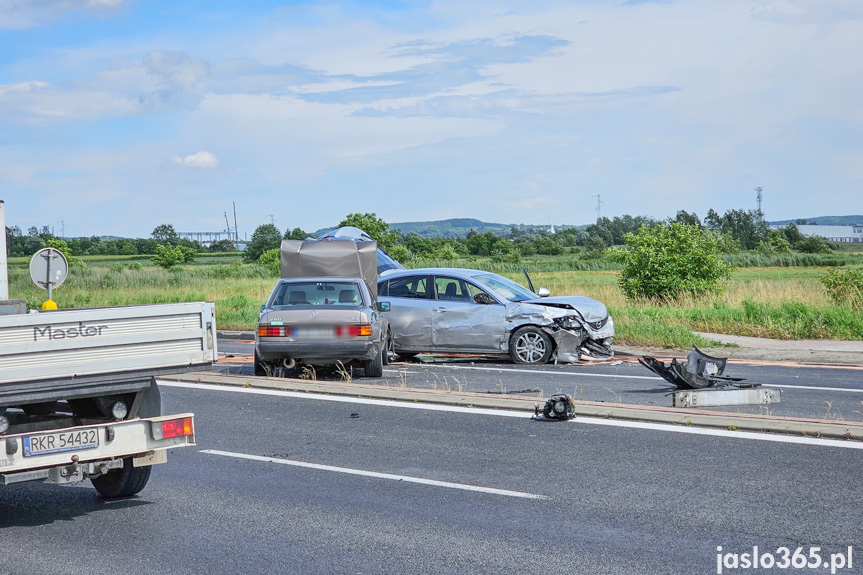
119, 115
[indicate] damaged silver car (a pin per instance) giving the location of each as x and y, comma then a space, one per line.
472, 311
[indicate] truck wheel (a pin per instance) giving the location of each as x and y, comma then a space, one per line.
530, 345
123, 482
375, 367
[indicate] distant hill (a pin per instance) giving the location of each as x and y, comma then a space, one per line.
454, 228
825, 221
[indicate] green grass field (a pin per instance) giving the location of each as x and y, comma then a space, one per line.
776, 302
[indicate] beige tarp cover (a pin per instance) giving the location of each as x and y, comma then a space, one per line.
331, 259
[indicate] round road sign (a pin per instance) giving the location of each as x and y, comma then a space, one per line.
48, 268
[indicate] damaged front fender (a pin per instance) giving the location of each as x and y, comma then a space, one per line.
567, 344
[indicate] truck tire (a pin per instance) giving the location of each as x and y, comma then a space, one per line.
375, 367
530, 344
123, 482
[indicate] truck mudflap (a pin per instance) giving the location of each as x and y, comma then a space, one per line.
75, 453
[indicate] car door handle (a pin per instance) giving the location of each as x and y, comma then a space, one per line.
439, 309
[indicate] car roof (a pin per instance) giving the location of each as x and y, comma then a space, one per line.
319, 279
435, 271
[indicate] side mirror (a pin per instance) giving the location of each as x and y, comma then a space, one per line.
543, 292
483, 298
383, 306
263, 305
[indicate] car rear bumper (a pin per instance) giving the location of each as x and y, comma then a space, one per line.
316, 352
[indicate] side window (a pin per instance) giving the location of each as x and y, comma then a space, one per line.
452, 289
473, 291
415, 287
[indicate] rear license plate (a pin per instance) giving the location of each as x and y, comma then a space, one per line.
61, 441
313, 332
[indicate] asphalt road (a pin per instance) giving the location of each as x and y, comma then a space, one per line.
818, 392
513, 496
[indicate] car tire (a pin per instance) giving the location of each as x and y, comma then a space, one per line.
375, 367
388, 348
123, 482
530, 345
260, 367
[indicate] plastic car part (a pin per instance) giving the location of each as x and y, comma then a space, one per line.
559, 406
697, 372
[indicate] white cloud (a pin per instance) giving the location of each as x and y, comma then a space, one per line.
688, 102
199, 160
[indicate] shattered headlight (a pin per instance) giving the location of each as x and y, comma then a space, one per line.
568, 322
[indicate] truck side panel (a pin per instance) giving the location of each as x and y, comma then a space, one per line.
52, 346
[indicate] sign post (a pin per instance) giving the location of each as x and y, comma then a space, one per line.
48, 269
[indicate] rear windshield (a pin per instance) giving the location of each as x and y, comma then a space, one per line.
344, 294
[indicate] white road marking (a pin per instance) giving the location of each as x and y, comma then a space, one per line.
344, 399
813, 387
535, 372
523, 415
616, 376
375, 474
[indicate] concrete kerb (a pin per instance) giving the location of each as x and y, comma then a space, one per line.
731, 421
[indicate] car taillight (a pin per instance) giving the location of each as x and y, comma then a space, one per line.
353, 330
274, 331
180, 427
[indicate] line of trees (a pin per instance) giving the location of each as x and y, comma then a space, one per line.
19, 244
732, 232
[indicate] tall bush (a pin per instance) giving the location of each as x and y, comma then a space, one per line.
271, 260
844, 287
668, 260
168, 256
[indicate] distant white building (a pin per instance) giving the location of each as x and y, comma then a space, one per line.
551, 229
834, 233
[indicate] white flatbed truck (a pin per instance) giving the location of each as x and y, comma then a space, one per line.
78, 393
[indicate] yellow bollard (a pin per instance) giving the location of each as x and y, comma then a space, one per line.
49, 304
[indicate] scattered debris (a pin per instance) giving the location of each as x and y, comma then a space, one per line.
559, 407
515, 392
355, 415
699, 371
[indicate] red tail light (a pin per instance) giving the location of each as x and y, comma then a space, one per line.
181, 427
353, 330
274, 331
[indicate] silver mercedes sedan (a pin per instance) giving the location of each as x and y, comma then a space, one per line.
453, 310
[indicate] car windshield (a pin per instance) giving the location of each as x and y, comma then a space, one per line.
505, 288
339, 294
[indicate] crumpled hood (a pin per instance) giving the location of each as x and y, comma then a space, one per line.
591, 310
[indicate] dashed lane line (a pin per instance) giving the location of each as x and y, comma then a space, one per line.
375, 474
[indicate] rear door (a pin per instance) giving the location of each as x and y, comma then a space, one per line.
411, 301
459, 324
